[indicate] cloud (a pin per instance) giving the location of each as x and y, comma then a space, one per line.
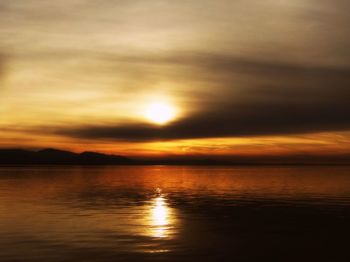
250, 98
252, 72
2, 68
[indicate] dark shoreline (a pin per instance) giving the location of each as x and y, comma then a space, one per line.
179, 164
66, 158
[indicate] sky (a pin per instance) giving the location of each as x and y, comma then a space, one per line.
243, 78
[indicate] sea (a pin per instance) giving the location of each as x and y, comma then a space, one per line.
174, 213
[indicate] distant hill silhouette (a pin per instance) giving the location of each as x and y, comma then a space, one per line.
59, 157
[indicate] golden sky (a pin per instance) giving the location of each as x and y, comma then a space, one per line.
173, 78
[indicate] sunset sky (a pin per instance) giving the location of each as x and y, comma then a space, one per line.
162, 78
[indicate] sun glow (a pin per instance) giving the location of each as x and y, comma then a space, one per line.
160, 112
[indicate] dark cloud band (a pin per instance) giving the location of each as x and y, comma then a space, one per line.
278, 99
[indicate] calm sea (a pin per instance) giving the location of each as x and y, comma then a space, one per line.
162, 213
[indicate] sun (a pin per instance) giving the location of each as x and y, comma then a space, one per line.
160, 112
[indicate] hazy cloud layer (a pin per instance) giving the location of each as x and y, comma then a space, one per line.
276, 99
2, 65
82, 68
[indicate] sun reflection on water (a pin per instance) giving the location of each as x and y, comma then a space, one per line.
161, 218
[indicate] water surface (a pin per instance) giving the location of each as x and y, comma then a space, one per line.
159, 213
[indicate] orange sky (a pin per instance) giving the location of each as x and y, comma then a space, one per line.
232, 78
